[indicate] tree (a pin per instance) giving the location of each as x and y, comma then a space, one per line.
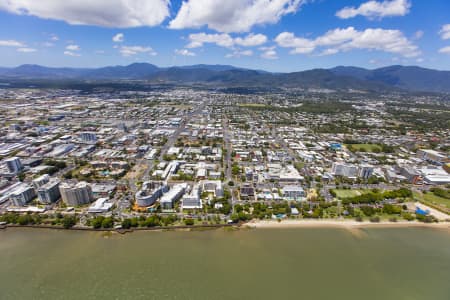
69, 221
189, 222
97, 222
108, 222
126, 224
234, 218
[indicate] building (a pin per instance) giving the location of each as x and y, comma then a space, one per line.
101, 205
14, 165
192, 200
433, 156
411, 174
22, 195
168, 200
88, 137
76, 194
212, 186
150, 192
40, 181
345, 170
365, 171
49, 192
293, 192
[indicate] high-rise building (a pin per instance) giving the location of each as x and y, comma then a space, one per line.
150, 192
40, 181
22, 195
49, 192
14, 165
76, 194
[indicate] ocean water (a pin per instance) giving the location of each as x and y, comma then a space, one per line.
308, 263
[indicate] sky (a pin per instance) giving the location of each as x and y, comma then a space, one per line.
272, 35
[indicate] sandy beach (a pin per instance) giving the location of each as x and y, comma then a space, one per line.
340, 223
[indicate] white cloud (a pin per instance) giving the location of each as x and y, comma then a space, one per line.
419, 34
299, 45
26, 50
70, 53
184, 52
445, 32
392, 41
105, 13
329, 51
251, 40
268, 52
225, 40
10, 43
420, 60
445, 50
133, 50
232, 15
73, 47
54, 37
239, 53
375, 9
198, 39
48, 44
118, 38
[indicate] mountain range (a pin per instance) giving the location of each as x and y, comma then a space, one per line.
392, 78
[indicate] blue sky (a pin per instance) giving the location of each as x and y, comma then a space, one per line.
274, 35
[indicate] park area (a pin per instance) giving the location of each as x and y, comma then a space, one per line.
346, 193
364, 147
433, 200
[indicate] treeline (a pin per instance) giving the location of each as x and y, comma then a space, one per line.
66, 221
376, 196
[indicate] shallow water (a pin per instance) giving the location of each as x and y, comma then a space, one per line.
308, 263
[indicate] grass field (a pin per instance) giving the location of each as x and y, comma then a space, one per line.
433, 200
348, 193
251, 105
366, 147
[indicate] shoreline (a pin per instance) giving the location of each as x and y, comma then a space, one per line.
346, 224
255, 224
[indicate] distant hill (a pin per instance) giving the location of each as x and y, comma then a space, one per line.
404, 77
339, 78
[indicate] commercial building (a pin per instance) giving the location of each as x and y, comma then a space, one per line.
49, 192
192, 200
174, 194
22, 195
40, 181
212, 186
433, 156
293, 192
150, 192
365, 171
345, 170
74, 194
88, 137
14, 165
101, 205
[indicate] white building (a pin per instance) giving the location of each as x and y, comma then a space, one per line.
49, 192
22, 195
174, 194
101, 205
76, 194
192, 200
14, 165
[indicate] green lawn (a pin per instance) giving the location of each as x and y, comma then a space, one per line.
366, 147
349, 193
430, 198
